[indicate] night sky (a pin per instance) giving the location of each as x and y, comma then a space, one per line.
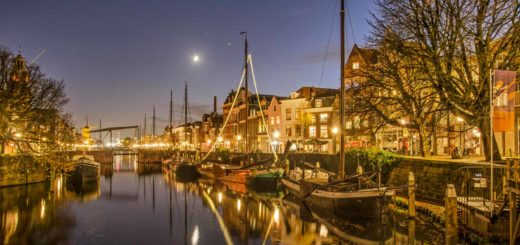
119, 58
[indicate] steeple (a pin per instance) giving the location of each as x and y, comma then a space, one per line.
20, 72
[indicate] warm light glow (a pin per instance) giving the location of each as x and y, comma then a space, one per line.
459, 119
42, 211
335, 130
276, 215
323, 231
276, 134
85, 142
196, 58
209, 142
239, 205
18, 135
239, 137
195, 236
402, 121
219, 139
219, 197
44, 139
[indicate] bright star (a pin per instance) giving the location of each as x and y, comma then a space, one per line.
195, 58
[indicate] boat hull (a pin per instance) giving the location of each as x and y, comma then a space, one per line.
366, 203
84, 172
186, 172
362, 203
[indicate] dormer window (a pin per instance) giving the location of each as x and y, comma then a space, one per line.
355, 65
318, 103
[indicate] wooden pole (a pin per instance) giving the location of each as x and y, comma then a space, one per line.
411, 195
450, 214
342, 95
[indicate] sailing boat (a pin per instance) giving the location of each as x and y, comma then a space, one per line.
354, 195
184, 169
257, 175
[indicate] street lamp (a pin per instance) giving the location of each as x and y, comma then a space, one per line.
334, 133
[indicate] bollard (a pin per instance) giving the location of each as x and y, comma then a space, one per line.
450, 214
411, 195
411, 231
287, 168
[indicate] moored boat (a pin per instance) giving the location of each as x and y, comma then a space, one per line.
83, 169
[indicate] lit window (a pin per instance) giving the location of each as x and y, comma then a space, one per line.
318, 103
355, 65
324, 117
312, 131
324, 133
313, 118
272, 120
277, 120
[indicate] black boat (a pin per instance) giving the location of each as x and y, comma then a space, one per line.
83, 169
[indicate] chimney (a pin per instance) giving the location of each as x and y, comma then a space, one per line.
215, 104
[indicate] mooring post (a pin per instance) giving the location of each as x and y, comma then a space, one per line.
515, 170
411, 195
287, 162
411, 231
450, 214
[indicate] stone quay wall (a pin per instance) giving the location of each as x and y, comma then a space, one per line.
21, 170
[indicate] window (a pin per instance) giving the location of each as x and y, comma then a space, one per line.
318, 103
298, 112
312, 131
277, 120
313, 118
324, 133
274, 108
355, 65
324, 117
288, 114
298, 130
288, 131
272, 120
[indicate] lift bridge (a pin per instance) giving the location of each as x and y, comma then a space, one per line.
110, 131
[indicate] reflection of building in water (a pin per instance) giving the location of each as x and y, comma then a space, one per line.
28, 215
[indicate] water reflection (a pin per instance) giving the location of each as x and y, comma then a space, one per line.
143, 203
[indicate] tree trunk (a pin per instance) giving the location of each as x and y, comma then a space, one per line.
484, 127
424, 141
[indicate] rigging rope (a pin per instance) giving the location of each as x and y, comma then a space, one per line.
250, 58
228, 116
328, 43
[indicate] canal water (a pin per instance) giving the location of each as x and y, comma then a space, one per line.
144, 204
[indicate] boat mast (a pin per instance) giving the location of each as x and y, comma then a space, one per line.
247, 94
342, 95
170, 124
186, 116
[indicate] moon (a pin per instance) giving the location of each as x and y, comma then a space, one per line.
196, 58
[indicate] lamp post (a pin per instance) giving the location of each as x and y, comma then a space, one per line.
334, 133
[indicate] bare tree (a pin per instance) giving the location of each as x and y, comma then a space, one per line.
31, 108
456, 44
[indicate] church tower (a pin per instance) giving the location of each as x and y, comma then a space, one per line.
20, 72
